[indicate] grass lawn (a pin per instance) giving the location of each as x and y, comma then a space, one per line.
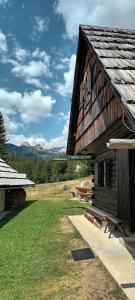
35, 253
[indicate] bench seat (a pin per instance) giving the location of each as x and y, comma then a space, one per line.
97, 213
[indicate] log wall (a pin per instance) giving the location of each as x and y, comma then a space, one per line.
15, 199
105, 197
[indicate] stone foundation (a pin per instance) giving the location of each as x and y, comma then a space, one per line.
14, 199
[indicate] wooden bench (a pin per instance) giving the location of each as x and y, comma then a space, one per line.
116, 224
96, 216
73, 193
83, 189
81, 193
105, 219
85, 196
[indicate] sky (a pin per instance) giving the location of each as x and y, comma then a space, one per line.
38, 41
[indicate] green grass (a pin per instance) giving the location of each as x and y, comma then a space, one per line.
35, 253
33, 248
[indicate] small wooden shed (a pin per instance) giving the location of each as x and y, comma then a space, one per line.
103, 108
12, 184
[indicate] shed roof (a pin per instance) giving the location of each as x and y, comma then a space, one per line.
11, 178
115, 49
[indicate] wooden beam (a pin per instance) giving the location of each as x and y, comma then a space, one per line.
73, 158
121, 144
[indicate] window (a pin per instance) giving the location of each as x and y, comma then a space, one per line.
105, 172
101, 173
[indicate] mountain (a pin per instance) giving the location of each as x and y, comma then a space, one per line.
27, 150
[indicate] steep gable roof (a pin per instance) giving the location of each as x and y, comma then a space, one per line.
115, 51
11, 178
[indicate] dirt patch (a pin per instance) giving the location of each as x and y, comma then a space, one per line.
65, 226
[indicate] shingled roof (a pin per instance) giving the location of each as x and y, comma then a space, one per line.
115, 49
11, 178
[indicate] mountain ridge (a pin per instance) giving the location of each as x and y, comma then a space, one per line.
38, 150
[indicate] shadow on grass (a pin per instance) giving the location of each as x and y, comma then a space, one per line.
13, 214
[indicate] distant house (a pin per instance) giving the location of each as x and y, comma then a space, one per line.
103, 108
12, 184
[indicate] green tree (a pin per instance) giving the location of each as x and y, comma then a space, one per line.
3, 138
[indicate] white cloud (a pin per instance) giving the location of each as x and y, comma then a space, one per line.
19, 139
96, 12
36, 82
29, 66
3, 43
3, 2
11, 125
63, 116
59, 141
59, 67
40, 25
43, 55
62, 63
16, 139
21, 53
31, 69
66, 88
36, 106
31, 107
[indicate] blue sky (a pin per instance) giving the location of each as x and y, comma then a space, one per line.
37, 57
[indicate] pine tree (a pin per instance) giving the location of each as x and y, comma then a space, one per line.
3, 138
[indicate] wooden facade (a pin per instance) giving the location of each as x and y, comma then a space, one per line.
103, 107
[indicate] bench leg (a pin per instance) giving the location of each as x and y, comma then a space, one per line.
105, 228
111, 229
123, 229
117, 228
110, 234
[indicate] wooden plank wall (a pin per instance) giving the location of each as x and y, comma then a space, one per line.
101, 111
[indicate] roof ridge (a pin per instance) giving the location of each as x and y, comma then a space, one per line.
102, 28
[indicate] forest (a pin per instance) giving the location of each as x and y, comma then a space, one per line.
45, 170
42, 170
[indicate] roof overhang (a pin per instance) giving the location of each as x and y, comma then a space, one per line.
121, 144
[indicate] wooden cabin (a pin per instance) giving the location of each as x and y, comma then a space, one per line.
103, 108
12, 185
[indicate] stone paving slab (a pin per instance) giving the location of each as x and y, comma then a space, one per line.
115, 257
